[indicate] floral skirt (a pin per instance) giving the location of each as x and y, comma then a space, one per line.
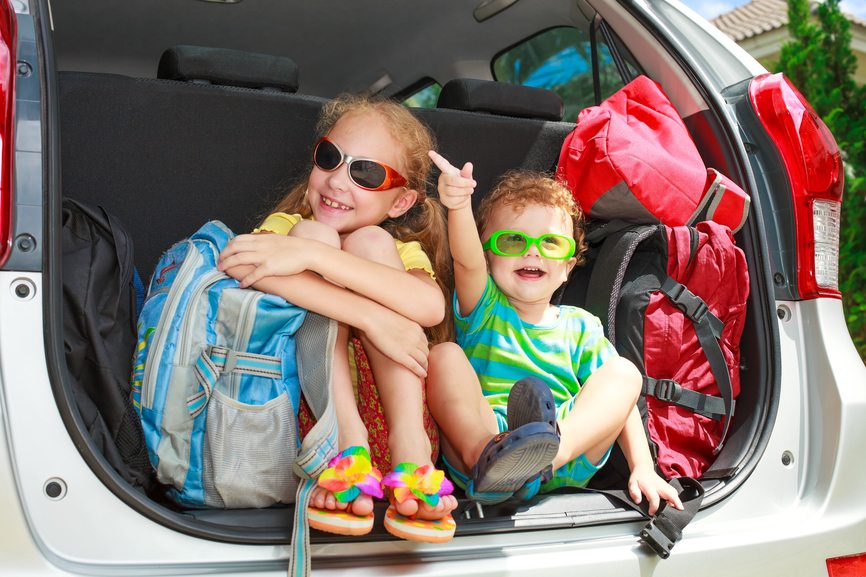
370, 409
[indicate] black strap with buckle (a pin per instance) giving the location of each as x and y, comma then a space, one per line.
708, 328
670, 391
665, 528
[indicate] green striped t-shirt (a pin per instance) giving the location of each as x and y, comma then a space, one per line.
503, 349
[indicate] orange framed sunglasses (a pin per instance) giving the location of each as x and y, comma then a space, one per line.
367, 173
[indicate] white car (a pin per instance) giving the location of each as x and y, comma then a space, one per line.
88, 113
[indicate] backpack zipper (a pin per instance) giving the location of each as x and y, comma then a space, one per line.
190, 263
204, 283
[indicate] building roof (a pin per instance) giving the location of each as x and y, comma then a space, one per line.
759, 16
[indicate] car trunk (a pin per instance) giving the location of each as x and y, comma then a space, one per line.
165, 156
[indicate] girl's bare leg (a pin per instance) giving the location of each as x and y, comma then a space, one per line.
400, 390
351, 429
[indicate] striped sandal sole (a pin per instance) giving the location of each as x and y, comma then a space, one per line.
423, 530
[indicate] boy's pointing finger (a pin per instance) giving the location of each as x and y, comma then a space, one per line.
443, 164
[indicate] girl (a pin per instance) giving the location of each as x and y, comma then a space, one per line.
352, 243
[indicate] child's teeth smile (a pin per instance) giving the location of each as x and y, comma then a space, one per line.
334, 204
530, 272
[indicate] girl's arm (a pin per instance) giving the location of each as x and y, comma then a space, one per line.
643, 479
398, 337
412, 294
470, 267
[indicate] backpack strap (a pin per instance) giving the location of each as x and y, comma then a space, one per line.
672, 392
605, 282
665, 528
215, 361
315, 342
708, 329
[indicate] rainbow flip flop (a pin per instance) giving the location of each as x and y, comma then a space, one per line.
339, 522
426, 531
348, 475
427, 484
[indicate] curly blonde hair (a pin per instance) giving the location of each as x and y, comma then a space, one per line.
425, 221
520, 189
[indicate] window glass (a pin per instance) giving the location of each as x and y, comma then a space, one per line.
560, 59
424, 98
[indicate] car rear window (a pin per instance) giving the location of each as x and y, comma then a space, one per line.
583, 66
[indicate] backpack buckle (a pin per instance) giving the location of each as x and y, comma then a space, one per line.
231, 361
657, 539
699, 311
688, 302
667, 390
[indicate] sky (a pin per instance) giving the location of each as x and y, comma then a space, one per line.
711, 8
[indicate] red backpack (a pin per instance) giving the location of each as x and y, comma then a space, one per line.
632, 158
673, 301
672, 297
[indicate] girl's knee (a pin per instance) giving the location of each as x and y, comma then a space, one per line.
372, 243
313, 230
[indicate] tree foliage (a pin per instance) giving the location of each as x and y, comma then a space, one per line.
820, 62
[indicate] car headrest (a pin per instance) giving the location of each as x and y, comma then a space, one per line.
500, 98
229, 67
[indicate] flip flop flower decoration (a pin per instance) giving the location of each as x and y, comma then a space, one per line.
425, 483
350, 473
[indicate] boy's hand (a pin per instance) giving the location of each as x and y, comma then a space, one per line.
645, 481
455, 184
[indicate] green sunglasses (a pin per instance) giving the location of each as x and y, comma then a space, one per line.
514, 243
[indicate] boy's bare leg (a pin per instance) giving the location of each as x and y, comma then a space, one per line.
465, 419
599, 412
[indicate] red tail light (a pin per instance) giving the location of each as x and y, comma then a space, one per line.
852, 566
814, 166
8, 44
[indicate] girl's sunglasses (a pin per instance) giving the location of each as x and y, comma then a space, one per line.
367, 173
513, 243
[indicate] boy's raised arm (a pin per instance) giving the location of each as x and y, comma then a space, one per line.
470, 267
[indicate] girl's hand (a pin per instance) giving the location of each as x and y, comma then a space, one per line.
645, 481
455, 184
400, 339
269, 254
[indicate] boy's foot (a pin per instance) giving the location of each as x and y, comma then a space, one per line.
529, 401
510, 459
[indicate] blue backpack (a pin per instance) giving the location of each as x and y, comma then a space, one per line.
215, 381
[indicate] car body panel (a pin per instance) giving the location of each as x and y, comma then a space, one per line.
800, 499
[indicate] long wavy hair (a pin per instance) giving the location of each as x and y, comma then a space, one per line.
425, 222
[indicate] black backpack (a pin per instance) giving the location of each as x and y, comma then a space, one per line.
100, 297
